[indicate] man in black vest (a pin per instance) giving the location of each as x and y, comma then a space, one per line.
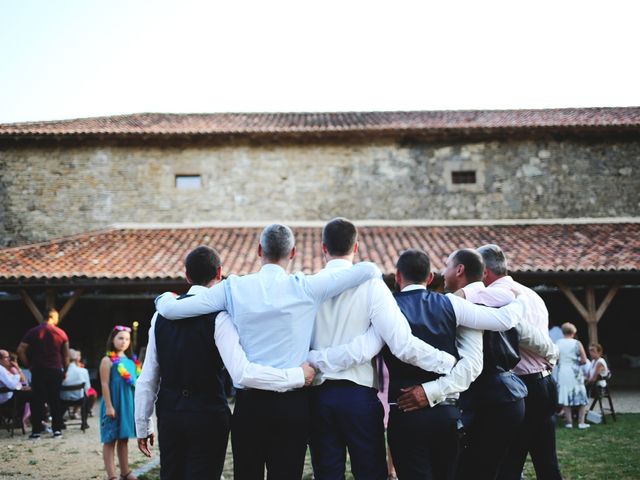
424, 441
193, 416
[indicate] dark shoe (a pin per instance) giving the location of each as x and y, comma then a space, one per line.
57, 434
34, 436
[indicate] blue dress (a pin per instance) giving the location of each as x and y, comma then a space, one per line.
123, 426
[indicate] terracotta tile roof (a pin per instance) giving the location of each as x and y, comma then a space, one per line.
158, 253
345, 122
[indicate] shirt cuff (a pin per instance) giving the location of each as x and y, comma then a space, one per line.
296, 375
433, 392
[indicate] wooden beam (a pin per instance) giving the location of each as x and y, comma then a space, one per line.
574, 301
70, 303
35, 311
50, 299
607, 300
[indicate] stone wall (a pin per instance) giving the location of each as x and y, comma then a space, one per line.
51, 191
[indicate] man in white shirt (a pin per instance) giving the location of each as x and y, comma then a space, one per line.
493, 406
274, 313
537, 435
183, 371
448, 323
9, 377
345, 410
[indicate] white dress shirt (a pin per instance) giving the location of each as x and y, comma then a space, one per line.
243, 373
9, 380
364, 347
344, 317
529, 337
75, 376
536, 315
273, 311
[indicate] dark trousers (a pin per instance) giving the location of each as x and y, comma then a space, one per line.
270, 429
45, 384
537, 435
347, 416
192, 444
424, 443
491, 430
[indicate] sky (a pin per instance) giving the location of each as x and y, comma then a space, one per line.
81, 58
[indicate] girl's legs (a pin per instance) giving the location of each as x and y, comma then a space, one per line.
567, 415
108, 450
123, 458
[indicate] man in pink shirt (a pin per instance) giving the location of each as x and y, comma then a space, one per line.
537, 435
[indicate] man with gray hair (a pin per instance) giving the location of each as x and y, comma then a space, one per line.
274, 314
537, 435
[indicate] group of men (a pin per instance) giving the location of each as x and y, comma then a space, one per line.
277, 333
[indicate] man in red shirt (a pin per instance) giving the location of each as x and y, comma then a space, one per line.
45, 350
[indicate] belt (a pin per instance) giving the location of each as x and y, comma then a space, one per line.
447, 402
340, 382
535, 376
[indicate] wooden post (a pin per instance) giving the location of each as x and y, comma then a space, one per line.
35, 311
589, 312
50, 299
70, 303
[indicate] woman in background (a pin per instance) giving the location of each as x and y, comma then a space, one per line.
571, 389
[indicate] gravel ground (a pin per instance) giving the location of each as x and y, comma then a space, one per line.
75, 456
78, 456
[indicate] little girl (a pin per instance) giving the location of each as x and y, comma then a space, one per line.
118, 374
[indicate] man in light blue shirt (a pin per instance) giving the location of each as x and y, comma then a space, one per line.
274, 313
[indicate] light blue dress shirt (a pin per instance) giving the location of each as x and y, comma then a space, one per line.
273, 311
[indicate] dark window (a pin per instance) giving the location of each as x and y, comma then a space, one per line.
188, 182
463, 176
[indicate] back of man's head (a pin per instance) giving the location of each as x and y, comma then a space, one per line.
339, 236
472, 262
277, 241
494, 259
202, 265
52, 316
414, 266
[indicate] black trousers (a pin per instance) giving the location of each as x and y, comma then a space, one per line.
491, 430
45, 385
192, 444
424, 443
270, 429
537, 435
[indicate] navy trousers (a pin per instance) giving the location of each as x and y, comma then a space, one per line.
538, 433
346, 416
424, 443
491, 430
192, 444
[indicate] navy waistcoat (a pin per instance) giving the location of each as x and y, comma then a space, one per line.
190, 365
496, 383
432, 319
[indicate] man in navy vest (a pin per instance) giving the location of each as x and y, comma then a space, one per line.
424, 441
183, 368
493, 406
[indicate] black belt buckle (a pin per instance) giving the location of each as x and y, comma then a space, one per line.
186, 393
448, 402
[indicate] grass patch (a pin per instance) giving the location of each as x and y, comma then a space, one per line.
603, 452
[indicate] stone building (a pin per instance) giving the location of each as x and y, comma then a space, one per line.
116, 202
67, 177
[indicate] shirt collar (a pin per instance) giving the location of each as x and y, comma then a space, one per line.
474, 287
413, 286
196, 289
506, 279
338, 263
272, 267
